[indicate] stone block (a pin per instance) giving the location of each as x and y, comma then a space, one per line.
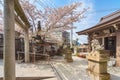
99, 56
96, 76
97, 65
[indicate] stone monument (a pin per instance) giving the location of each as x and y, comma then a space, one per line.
97, 62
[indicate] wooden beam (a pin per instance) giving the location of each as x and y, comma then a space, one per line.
107, 35
21, 13
19, 22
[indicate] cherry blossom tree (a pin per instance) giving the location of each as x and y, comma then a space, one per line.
1, 16
53, 18
31, 11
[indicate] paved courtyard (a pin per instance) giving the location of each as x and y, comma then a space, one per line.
77, 69
42, 70
58, 69
72, 71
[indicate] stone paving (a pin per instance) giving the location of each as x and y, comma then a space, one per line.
77, 69
67, 71
72, 71
38, 70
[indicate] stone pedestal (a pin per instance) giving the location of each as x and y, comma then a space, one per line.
97, 65
68, 55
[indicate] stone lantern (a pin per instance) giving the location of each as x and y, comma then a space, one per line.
97, 63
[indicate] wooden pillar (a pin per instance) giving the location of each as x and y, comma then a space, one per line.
118, 48
26, 41
9, 40
89, 43
103, 42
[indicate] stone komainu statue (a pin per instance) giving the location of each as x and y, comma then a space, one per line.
96, 45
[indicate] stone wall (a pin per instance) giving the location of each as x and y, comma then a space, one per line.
118, 48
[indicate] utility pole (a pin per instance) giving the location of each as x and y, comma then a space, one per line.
9, 40
71, 40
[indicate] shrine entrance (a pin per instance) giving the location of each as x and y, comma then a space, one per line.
110, 44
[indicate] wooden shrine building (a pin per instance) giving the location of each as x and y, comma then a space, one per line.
107, 31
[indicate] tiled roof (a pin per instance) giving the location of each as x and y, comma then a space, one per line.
103, 20
109, 17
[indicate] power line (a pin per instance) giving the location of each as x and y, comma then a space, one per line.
104, 10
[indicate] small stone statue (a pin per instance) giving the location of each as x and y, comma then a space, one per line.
96, 45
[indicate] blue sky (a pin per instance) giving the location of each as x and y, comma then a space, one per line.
99, 8
104, 7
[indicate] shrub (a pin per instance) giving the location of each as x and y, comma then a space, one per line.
81, 55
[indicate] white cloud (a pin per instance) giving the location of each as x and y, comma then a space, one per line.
89, 20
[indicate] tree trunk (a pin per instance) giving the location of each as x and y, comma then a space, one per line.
9, 40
